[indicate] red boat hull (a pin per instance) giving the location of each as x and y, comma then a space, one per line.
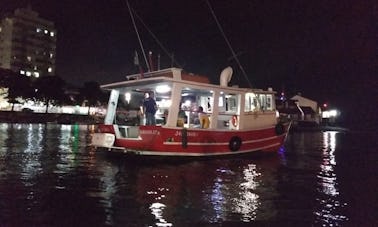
162, 141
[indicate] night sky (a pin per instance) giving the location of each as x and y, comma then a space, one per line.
327, 50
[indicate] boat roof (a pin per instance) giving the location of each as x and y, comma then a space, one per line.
149, 80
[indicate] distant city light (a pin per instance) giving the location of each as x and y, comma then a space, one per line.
330, 113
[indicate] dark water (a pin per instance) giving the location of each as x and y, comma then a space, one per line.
50, 177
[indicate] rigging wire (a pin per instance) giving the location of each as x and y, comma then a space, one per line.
156, 39
133, 13
228, 43
137, 33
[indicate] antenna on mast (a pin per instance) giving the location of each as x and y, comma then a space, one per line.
229, 45
137, 33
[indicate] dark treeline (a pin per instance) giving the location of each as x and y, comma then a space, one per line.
50, 90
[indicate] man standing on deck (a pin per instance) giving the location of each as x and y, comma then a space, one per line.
149, 108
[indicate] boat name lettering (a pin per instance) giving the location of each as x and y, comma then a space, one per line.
191, 134
150, 132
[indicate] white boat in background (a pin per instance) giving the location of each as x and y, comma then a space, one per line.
242, 120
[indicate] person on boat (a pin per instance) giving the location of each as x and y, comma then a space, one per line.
204, 119
165, 116
181, 117
149, 108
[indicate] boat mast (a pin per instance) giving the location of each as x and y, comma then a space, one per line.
229, 45
171, 56
137, 33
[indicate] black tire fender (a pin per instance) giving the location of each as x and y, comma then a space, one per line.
235, 143
279, 129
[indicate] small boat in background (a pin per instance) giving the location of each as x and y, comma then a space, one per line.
240, 120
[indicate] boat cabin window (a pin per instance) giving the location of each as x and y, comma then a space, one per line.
251, 102
191, 100
228, 103
128, 111
130, 101
266, 101
269, 102
258, 102
163, 103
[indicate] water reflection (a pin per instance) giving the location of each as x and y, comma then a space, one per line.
31, 165
105, 190
159, 193
51, 176
248, 202
53, 161
218, 195
328, 212
157, 209
193, 192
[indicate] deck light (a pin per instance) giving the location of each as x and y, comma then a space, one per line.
163, 89
127, 97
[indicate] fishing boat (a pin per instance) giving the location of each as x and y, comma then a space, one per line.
240, 120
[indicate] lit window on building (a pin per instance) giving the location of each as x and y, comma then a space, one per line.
38, 30
1, 29
49, 69
51, 55
36, 74
22, 72
29, 58
28, 73
35, 67
46, 32
52, 34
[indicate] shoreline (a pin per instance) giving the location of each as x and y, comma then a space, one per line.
31, 117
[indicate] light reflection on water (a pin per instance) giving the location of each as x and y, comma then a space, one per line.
248, 202
329, 203
56, 179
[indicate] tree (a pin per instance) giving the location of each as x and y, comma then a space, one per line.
91, 93
49, 90
4, 75
19, 87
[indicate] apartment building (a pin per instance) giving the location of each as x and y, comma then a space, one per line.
28, 43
